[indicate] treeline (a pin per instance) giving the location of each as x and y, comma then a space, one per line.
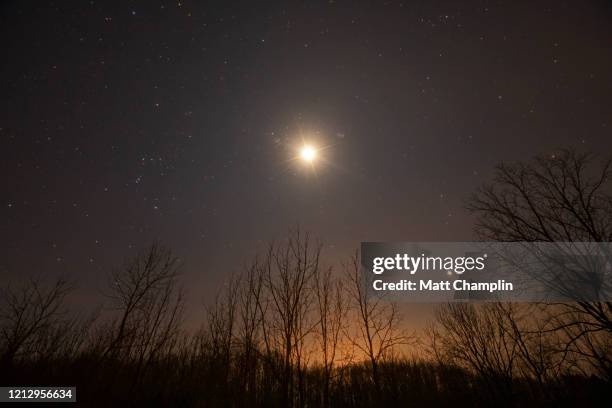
283, 333
289, 331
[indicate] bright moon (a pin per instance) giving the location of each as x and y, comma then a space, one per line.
308, 154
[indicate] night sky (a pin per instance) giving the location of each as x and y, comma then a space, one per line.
135, 121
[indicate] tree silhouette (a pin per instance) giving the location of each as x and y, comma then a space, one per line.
562, 197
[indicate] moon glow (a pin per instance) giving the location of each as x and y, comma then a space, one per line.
308, 153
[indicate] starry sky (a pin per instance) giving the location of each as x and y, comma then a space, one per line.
132, 121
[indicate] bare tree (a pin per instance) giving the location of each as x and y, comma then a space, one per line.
288, 272
27, 314
250, 321
473, 337
537, 356
377, 321
149, 303
331, 307
221, 320
566, 196
558, 197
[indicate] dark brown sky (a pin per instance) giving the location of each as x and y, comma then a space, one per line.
125, 122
